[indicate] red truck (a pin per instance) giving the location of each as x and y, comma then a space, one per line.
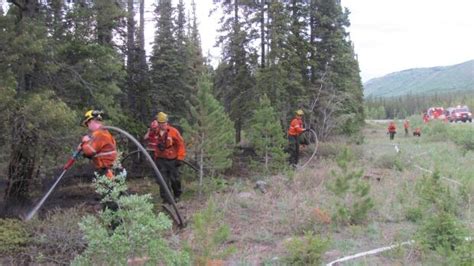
459, 113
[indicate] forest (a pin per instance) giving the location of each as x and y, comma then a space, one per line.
62, 58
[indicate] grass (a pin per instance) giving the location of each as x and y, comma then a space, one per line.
297, 201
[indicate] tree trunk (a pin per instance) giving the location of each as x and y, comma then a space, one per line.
262, 32
131, 66
22, 162
24, 142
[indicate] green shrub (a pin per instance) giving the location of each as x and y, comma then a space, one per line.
390, 161
463, 136
13, 236
138, 232
307, 250
436, 130
414, 214
210, 234
441, 230
353, 202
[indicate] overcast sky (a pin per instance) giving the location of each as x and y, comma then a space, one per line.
393, 35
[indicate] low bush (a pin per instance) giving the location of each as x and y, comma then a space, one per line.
13, 236
353, 202
463, 136
130, 232
306, 250
210, 235
441, 230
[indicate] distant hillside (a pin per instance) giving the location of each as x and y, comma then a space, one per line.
432, 80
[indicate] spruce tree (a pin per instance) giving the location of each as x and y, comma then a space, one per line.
209, 134
167, 94
234, 82
267, 137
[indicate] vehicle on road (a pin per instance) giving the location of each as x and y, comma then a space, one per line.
459, 113
436, 113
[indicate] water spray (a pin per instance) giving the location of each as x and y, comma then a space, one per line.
66, 167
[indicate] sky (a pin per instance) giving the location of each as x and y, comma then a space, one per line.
391, 35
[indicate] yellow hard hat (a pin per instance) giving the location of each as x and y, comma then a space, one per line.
162, 117
299, 112
92, 114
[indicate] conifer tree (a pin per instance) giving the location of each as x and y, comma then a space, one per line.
209, 134
234, 83
266, 136
336, 94
166, 88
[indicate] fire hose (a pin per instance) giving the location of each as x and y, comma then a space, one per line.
76, 154
159, 177
316, 145
66, 167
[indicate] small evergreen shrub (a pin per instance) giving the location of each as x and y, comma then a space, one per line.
138, 232
353, 202
266, 138
210, 234
307, 250
441, 231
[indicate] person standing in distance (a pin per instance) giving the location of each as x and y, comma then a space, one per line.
170, 152
295, 130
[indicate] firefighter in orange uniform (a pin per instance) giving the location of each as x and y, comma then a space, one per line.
295, 130
406, 126
392, 130
99, 145
417, 132
170, 152
151, 137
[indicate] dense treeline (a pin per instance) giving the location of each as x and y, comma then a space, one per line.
403, 106
60, 58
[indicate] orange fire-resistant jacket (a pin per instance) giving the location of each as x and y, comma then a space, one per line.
173, 144
152, 140
296, 127
101, 149
406, 124
392, 127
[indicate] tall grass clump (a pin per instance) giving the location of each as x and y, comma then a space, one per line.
353, 202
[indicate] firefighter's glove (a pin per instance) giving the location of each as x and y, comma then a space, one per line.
161, 146
84, 140
179, 163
